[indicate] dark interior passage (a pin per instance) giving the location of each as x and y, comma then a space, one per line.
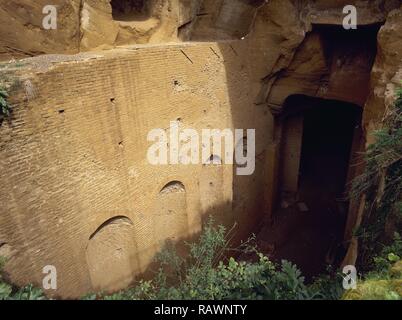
328, 131
309, 230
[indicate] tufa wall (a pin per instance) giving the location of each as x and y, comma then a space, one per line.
75, 156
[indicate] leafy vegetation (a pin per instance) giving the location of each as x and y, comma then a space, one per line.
9, 82
5, 108
389, 255
381, 185
384, 281
206, 275
8, 292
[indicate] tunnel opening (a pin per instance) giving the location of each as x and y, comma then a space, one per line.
328, 134
129, 10
320, 139
347, 44
348, 54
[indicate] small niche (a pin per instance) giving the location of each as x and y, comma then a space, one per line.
171, 213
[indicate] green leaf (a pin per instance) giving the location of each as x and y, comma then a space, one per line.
4, 93
5, 291
3, 102
393, 257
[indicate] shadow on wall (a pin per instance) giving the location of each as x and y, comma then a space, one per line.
211, 183
170, 213
181, 245
221, 20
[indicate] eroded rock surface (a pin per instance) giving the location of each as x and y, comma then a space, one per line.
84, 25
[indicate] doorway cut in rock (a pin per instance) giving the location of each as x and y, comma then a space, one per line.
318, 143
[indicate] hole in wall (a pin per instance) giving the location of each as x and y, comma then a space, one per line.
349, 54
242, 147
213, 160
342, 46
130, 10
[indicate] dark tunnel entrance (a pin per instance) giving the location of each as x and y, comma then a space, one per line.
319, 139
328, 134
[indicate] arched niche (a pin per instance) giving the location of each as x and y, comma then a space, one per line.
112, 255
171, 221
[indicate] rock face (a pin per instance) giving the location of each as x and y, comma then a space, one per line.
76, 187
22, 33
120, 22
386, 74
84, 25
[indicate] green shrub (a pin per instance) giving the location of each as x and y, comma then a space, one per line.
5, 108
207, 275
7, 292
389, 255
327, 286
381, 183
